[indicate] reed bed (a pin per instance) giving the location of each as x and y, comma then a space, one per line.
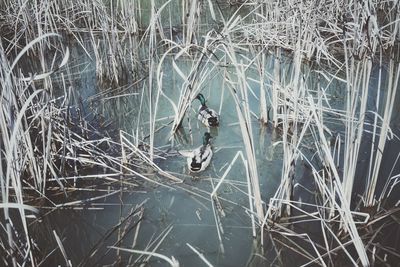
304, 53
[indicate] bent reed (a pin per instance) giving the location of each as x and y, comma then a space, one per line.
318, 65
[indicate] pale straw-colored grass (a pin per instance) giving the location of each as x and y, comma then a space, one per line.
300, 51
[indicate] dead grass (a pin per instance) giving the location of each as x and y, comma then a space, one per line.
47, 139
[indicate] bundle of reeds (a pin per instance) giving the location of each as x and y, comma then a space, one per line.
302, 51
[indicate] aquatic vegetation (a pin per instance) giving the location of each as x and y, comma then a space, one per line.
97, 97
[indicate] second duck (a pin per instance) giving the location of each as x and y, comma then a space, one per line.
207, 116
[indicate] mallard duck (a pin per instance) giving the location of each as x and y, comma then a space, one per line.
207, 116
199, 158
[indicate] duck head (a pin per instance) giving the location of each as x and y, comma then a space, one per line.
206, 138
201, 98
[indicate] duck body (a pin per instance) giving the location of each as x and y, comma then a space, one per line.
199, 159
206, 115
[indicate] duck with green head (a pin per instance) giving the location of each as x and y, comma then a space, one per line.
199, 158
207, 116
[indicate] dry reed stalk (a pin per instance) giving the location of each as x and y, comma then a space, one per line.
347, 218
125, 143
213, 194
314, 31
171, 261
16, 141
275, 86
391, 95
355, 124
218, 224
243, 113
201, 256
263, 102
193, 82
61, 247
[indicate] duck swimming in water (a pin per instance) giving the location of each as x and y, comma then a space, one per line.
199, 159
207, 116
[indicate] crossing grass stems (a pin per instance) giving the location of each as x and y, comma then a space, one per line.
336, 41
